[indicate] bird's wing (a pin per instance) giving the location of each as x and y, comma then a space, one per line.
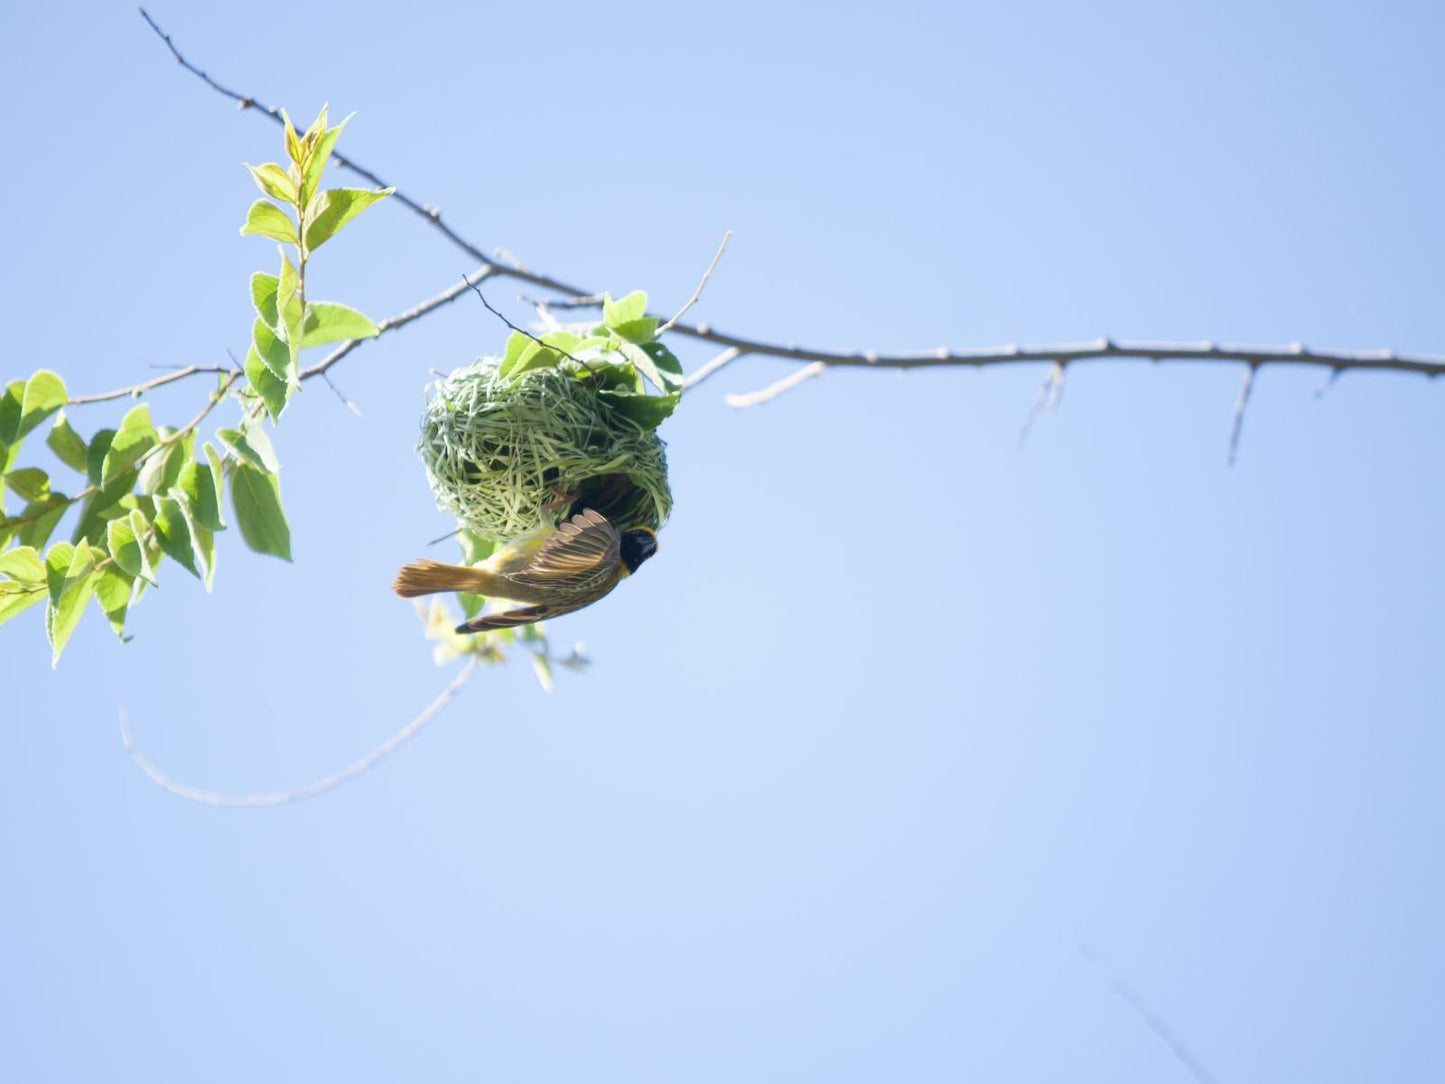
510, 619
580, 556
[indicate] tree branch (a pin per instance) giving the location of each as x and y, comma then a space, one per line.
137, 389
310, 790
400, 320
1063, 354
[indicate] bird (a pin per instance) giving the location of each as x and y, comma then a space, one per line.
553, 572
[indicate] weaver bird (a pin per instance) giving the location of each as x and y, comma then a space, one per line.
553, 572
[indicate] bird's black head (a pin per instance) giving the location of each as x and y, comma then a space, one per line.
638, 545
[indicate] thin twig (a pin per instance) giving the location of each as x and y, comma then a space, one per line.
775, 389
1429, 365
340, 395
1152, 1020
164, 442
137, 389
244, 101
1236, 424
310, 790
705, 370
523, 331
401, 319
696, 294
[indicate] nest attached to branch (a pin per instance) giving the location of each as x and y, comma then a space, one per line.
509, 454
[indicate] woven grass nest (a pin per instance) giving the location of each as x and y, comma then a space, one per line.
557, 424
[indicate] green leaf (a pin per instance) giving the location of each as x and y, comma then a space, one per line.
23, 563
516, 343
123, 540
113, 501
263, 297
133, 439
161, 470
66, 443
218, 484
205, 543
57, 565
173, 529
273, 180
205, 540
12, 404
638, 331
293, 142
564, 341
26, 585
16, 598
155, 556
268, 220
274, 391
329, 322
31, 484
629, 309
335, 208
96, 453
648, 411
253, 446
537, 354
667, 365
198, 483
64, 612
474, 547
44, 394
320, 152
642, 360
287, 300
113, 592
256, 498
43, 516
273, 350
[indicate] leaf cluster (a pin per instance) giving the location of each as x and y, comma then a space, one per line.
303, 217
143, 493
621, 355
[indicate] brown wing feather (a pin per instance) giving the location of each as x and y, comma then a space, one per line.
510, 619
579, 557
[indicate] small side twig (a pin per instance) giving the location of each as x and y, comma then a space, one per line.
702, 285
523, 331
310, 790
145, 386
1236, 424
401, 319
340, 395
705, 370
1152, 1020
772, 391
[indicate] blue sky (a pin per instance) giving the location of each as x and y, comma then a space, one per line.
901, 710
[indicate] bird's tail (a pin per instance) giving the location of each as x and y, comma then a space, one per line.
428, 577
